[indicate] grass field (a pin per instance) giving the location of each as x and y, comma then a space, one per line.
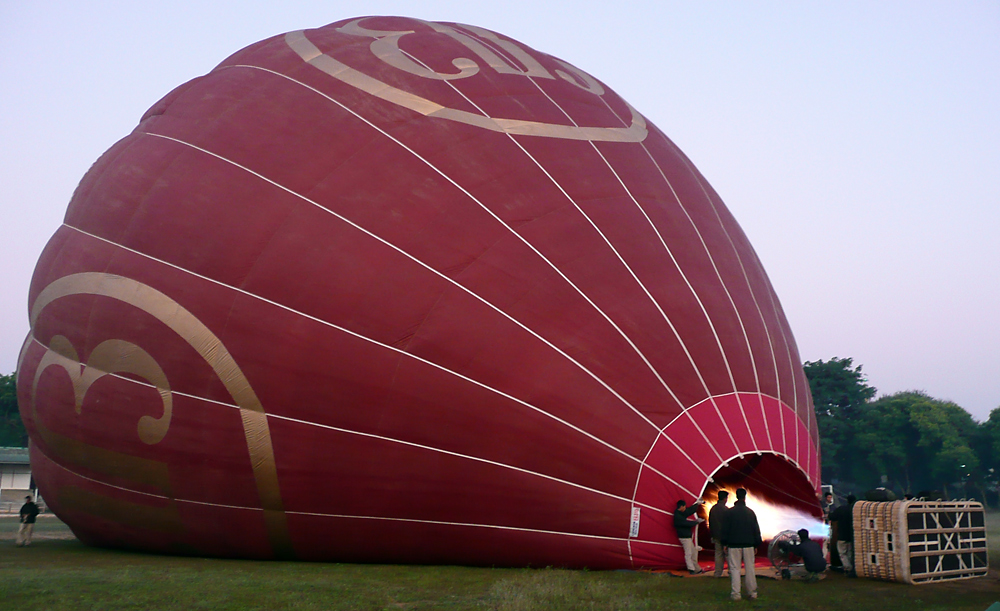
60, 573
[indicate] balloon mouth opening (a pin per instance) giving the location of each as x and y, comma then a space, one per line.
778, 492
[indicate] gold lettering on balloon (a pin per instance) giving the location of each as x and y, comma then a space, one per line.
61, 354
580, 78
119, 356
531, 65
111, 356
211, 349
386, 48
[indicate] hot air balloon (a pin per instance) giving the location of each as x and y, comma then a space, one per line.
392, 290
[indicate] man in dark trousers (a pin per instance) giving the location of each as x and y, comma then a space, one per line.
685, 528
715, 518
810, 552
29, 511
741, 534
844, 517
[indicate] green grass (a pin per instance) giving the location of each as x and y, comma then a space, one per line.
64, 574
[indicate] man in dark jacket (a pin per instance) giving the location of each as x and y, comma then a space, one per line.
844, 517
715, 518
827, 506
685, 528
741, 534
29, 511
810, 552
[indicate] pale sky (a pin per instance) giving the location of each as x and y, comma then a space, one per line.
857, 143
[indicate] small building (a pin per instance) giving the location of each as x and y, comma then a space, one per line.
15, 479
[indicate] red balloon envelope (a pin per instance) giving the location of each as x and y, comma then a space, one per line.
400, 291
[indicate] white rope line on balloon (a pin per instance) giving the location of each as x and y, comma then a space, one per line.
503, 53
590, 221
483, 207
694, 292
383, 438
725, 288
790, 347
579, 291
377, 343
472, 525
735, 393
812, 422
466, 456
792, 362
739, 259
680, 340
782, 407
535, 250
767, 331
722, 282
631, 196
638, 281
610, 245
785, 340
341, 516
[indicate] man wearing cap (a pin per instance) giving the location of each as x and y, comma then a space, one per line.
685, 528
741, 534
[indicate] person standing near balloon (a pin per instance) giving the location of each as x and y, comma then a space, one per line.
29, 511
741, 534
844, 517
827, 505
715, 519
685, 530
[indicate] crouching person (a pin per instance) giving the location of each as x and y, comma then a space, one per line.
811, 554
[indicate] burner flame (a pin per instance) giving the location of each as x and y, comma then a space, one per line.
773, 518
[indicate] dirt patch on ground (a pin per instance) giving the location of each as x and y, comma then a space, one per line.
989, 583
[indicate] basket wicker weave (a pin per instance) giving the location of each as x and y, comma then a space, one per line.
920, 541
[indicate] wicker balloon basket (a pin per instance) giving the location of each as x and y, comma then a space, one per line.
920, 541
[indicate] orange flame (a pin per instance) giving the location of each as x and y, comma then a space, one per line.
773, 518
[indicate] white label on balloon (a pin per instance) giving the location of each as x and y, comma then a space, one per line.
634, 532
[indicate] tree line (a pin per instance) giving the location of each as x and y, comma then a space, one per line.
907, 442
12, 433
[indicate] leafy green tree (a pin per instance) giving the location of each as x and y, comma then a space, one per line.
12, 432
918, 443
907, 441
886, 440
840, 394
945, 432
987, 447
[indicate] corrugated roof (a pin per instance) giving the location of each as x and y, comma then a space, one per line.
17, 456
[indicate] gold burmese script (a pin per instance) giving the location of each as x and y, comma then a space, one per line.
119, 356
385, 46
